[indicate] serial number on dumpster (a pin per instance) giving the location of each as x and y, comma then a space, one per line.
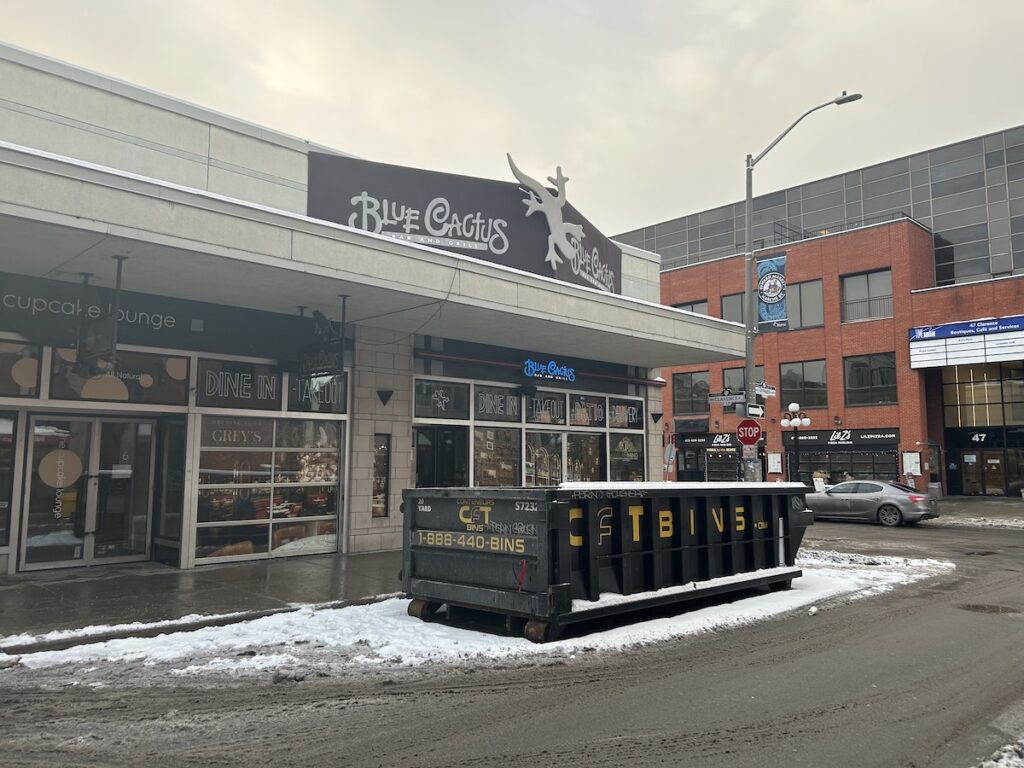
477, 542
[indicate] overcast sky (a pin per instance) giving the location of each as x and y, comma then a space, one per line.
649, 107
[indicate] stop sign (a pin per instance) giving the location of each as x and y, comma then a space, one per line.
748, 432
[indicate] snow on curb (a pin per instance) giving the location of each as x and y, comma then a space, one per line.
977, 522
11, 641
382, 634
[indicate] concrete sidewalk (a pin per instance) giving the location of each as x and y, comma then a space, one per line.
36, 603
991, 507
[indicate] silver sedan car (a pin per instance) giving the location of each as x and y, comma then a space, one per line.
875, 501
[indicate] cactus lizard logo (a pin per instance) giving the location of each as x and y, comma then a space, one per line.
540, 198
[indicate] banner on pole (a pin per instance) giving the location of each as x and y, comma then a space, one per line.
772, 314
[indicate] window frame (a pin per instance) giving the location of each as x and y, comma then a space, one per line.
721, 306
787, 394
690, 306
871, 387
800, 300
675, 399
870, 298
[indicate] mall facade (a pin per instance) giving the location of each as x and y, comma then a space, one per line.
300, 335
890, 308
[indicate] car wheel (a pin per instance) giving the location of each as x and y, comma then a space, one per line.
889, 515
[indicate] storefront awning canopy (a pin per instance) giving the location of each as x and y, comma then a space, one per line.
60, 218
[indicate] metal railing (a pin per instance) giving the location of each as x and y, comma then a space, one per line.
867, 309
788, 234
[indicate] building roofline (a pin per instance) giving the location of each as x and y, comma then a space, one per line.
965, 285
642, 227
779, 246
74, 73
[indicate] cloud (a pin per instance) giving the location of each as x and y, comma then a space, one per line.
649, 106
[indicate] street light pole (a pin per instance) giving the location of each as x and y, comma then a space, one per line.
795, 418
752, 467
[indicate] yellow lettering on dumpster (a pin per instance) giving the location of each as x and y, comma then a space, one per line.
741, 521
475, 516
665, 528
507, 544
636, 512
604, 524
719, 518
575, 540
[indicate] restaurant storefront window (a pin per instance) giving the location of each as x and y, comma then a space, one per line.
267, 486
138, 377
19, 369
627, 458
496, 459
442, 400
194, 445
543, 458
844, 454
568, 438
585, 461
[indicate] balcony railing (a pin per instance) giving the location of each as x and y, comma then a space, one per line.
867, 309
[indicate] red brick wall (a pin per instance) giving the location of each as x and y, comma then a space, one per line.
992, 298
903, 247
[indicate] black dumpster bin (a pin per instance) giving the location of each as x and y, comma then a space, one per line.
580, 551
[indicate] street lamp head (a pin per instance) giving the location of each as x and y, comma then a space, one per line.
846, 98
805, 422
784, 423
794, 407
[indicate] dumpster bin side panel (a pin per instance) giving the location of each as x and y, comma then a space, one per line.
490, 540
798, 517
532, 552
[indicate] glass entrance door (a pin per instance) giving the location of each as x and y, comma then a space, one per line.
89, 492
125, 481
995, 473
442, 457
973, 475
984, 473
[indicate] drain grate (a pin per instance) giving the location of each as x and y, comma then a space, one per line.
983, 608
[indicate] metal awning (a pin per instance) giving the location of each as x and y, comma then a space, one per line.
61, 217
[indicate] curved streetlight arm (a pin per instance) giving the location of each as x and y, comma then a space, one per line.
752, 162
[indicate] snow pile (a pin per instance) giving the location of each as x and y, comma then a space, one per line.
978, 522
382, 634
1010, 756
105, 629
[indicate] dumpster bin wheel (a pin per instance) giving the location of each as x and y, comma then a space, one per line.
514, 625
781, 586
423, 609
539, 631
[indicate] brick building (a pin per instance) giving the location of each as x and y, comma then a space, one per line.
904, 336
